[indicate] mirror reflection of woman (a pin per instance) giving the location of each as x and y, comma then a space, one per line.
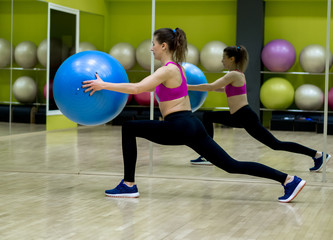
235, 60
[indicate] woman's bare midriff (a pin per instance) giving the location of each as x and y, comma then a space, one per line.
180, 104
237, 102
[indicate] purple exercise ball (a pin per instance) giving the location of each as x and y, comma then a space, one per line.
278, 55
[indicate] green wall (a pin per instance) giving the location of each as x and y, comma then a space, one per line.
5, 8
5, 33
92, 29
90, 6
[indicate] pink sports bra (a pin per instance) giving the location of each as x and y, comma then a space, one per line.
168, 94
234, 91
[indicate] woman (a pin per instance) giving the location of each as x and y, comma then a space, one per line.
235, 60
179, 125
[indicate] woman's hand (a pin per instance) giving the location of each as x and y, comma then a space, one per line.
93, 85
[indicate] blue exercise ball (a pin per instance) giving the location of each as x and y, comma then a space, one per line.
78, 106
195, 76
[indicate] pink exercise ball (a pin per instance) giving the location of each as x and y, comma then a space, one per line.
130, 97
278, 55
330, 98
50, 90
144, 99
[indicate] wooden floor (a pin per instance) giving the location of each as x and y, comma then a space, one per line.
52, 187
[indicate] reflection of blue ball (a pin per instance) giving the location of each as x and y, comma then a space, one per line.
77, 105
195, 76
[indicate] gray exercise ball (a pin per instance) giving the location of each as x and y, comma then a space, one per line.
26, 54
124, 53
86, 46
42, 52
143, 55
313, 58
25, 89
211, 56
59, 52
309, 97
4, 52
193, 54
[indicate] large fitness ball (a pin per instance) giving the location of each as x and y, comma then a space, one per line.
211, 56
26, 54
330, 98
313, 58
83, 46
309, 97
277, 93
278, 55
143, 99
86, 46
195, 76
77, 105
124, 53
4, 52
50, 90
143, 55
25, 89
192, 54
58, 52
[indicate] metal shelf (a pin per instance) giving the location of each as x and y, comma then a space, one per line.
24, 69
23, 104
294, 73
293, 110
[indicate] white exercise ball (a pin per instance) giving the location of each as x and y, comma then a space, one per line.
86, 46
211, 56
83, 46
4, 52
42, 52
124, 53
193, 54
25, 89
143, 55
309, 97
313, 58
59, 52
26, 54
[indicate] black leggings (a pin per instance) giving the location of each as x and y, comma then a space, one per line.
183, 128
246, 118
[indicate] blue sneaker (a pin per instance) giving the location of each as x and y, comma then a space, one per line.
292, 189
123, 191
200, 161
319, 163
